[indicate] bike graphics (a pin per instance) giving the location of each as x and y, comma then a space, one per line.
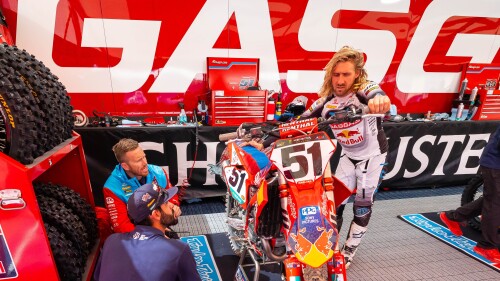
292, 203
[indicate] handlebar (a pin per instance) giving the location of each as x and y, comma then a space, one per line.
350, 114
228, 136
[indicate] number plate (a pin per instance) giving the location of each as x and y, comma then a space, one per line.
303, 158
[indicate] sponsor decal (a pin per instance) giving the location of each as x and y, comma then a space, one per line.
205, 262
291, 205
308, 211
387, 60
219, 62
444, 234
7, 266
345, 124
309, 215
127, 189
145, 197
6, 108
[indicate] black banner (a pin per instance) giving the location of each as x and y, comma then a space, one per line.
420, 154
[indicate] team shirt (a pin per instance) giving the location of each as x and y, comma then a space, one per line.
361, 139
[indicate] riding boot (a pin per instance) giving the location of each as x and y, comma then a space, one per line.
356, 232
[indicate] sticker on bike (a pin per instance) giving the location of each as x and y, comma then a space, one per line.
303, 158
236, 182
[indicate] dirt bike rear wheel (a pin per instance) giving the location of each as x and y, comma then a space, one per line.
473, 191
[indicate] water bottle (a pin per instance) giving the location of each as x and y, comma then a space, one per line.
182, 115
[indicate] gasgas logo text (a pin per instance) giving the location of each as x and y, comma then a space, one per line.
139, 41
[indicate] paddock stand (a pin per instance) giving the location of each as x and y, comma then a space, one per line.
240, 272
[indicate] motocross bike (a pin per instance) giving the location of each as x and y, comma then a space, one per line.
287, 212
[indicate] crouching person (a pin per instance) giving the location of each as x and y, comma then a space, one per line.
146, 253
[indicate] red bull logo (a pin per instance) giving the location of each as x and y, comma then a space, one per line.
349, 137
347, 134
323, 243
303, 245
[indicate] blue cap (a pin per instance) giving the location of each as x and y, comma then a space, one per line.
147, 198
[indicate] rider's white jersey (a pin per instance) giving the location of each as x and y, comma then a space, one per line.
361, 139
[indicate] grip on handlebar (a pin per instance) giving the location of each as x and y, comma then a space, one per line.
228, 136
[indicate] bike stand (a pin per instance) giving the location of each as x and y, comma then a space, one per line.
240, 269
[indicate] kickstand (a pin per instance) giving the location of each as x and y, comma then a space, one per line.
242, 258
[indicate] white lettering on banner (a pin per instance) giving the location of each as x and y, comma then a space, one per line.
155, 146
149, 145
450, 141
137, 38
183, 165
423, 158
469, 152
398, 162
466, 45
317, 34
412, 78
420, 156
189, 57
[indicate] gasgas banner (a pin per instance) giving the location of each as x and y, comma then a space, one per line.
144, 57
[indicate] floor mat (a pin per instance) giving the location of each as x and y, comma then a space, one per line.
217, 261
431, 224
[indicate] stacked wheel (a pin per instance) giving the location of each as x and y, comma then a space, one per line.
35, 110
70, 222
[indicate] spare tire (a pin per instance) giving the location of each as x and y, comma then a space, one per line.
17, 123
44, 94
73, 201
69, 265
60, 96
62, 218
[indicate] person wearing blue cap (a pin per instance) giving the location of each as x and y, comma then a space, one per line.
146, 253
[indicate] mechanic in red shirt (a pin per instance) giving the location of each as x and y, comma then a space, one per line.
131, 172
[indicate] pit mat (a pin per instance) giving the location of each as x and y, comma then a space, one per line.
431, 224
216, 260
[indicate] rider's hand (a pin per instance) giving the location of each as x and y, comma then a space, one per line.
379, 104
